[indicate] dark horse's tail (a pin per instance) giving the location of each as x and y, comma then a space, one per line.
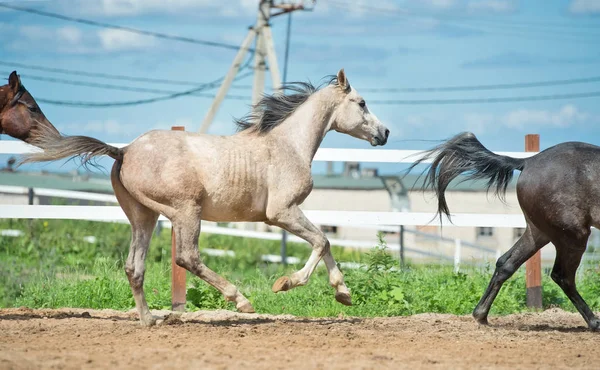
464, 153
56, 146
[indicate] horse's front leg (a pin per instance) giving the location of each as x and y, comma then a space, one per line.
293, 220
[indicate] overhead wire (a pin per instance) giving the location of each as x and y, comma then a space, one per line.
486, 100
496, 28
121, 28
191, 92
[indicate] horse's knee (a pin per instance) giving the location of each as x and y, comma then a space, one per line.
561, 280
505, 270
191, 263
183, 261
135, 277
129, 270
322, 246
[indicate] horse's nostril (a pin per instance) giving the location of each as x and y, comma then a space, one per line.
387, 133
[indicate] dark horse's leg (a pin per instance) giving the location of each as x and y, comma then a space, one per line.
569, 251
529, 243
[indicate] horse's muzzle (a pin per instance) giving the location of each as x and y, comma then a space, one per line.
381, 138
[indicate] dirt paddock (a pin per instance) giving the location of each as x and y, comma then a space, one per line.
87, 339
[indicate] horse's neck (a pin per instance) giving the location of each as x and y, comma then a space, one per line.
305, 129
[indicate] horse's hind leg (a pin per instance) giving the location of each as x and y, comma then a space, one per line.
187, 232
569, 251
529, 243
294, 221
143, 220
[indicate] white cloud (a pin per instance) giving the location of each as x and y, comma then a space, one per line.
566, 116
477, 122
120, 8
73, 40
584, 7
117, 40
491, 6
72, 35
442, 4
70, 40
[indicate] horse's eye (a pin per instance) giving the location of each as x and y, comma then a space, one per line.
362, 103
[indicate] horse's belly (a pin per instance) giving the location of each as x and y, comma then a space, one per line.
237, 206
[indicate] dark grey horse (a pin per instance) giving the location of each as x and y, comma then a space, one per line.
559, 194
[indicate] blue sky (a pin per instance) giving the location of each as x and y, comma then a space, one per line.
394, 44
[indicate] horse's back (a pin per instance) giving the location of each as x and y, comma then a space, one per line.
220, 174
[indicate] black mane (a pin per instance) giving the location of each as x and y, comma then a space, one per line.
271, 110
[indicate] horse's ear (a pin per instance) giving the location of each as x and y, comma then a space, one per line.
342, 80
14, 81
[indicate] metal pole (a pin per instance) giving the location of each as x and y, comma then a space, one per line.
402, 245
30, 196
178, 293
457, 250
533, 266
284, 247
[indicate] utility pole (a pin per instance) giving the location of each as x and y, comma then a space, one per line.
264, 53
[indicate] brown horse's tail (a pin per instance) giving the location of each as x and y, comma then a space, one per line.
56, 146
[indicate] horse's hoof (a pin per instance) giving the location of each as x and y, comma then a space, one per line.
343, 298
282, 284
148, 322
245, 307
481, 321
595, 325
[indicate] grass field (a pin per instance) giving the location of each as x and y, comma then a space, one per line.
52, 266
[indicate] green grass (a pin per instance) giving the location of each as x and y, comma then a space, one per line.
52, 267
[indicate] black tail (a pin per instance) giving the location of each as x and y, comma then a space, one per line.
464, 153
56, 146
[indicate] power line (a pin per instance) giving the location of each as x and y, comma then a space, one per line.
101, 75
88, 104
101, 85
194, 92
106, 86
98, 74
470, 18
500, 28
122, 28
517, 85
486, 100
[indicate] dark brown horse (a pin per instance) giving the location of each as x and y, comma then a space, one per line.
559, 194
20, 116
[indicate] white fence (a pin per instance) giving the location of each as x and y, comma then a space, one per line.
379, 220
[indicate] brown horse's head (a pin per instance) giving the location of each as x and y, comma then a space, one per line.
20, 116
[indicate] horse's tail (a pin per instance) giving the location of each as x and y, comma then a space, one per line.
464, 153
56, 146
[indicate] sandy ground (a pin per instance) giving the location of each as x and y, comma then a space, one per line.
89, 339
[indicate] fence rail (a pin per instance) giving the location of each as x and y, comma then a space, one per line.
322, 155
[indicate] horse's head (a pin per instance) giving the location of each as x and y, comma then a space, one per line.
352, 116
19, 113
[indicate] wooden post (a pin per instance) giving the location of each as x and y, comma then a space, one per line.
178, 273
533, 266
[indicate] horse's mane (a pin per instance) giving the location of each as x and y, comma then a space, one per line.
3, 95
273, 109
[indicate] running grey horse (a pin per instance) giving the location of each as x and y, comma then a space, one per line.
260, 174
